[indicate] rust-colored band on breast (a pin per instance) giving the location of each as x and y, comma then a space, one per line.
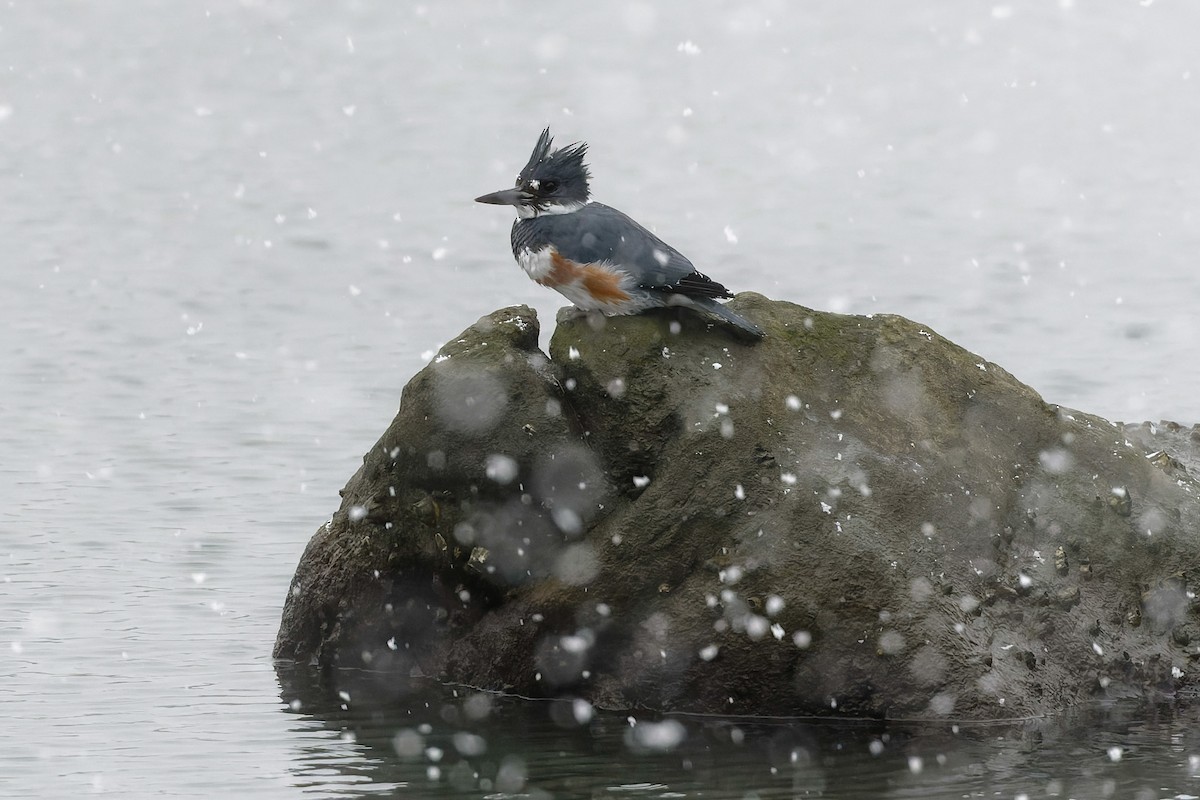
603, 284
562, 270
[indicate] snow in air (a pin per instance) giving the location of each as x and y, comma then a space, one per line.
1056, 461
567, 520
469, 744
655, 737
582, 711
576, 565
891, 643
501, 468
756, 626
511, 777
408, 744
730, 575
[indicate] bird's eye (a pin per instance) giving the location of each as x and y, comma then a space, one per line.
549, 186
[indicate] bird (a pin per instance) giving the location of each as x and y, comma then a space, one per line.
597, 257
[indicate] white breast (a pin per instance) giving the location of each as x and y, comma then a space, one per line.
536, 264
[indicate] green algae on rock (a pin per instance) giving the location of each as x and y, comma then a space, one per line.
852, 516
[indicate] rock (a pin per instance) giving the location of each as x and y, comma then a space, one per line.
854, 516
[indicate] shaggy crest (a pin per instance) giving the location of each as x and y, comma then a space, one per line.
564, 166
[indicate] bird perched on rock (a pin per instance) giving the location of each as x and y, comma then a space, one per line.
595, 256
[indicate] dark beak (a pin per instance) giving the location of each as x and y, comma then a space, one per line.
505, 197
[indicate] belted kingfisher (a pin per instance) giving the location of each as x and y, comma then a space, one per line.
595, 256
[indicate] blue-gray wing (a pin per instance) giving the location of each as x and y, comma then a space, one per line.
599, 233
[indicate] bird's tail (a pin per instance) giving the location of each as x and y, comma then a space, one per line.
737, 321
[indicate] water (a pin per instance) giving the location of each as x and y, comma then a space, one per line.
232, 231
427, 747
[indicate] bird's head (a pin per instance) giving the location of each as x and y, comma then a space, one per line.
553, 182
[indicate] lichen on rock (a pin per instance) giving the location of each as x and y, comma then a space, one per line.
853, 516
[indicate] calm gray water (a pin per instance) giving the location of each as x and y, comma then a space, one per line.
233, 230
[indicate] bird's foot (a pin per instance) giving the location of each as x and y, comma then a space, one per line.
595, 319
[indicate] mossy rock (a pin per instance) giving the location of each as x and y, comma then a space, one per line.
852, 516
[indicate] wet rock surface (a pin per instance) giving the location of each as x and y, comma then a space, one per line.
853, 517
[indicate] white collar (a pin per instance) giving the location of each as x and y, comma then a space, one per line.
529, 212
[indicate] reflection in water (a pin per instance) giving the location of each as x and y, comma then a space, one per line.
444, 741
